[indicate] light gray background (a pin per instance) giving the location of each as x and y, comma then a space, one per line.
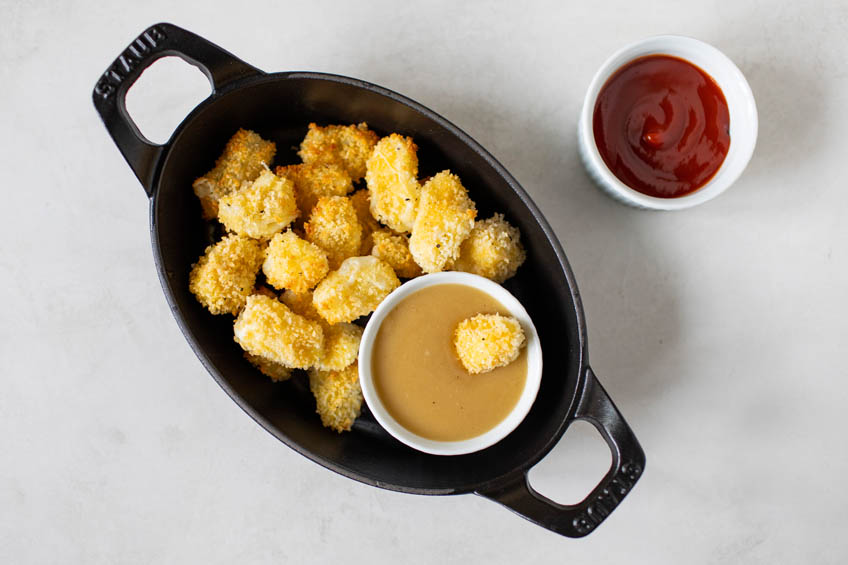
719, 331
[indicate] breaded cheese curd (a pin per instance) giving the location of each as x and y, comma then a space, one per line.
261, 209
224, 276
275, 371
314, 180
341, 346
301, 303
355, 289
394, 250
244, 157
392, 179
347, 146
369, 224
334, 227
487, 341
493, 250
294, 263
266, 327
338, 397
445, 218
341, 341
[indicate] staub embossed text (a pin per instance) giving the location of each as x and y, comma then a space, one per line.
605, 501
143, 45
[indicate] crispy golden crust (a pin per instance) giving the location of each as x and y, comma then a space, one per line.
261, 209
301, 304
266, 327
341, 346
338, 397
392, 178
362, 204
341, 341
314, 180
394, 250
224, 276
333, 227
275, 371
354, 290
493, 250
445, 218
293, 263
244, 157
487, 341
347, 146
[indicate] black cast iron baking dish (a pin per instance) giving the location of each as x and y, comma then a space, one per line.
279, 106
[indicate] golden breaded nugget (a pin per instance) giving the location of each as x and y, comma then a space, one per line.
261, 209
314, 180
301, 303
341, 346
277, 372
487, 341
338, 397
224, 276
293, 263
266, 327
392, 178
341, 341
244, 157
347, 146
493, 250
394, 250
362, 204
355, 289
445, 218
333, 227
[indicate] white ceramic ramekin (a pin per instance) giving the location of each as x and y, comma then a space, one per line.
508, 424
740, 102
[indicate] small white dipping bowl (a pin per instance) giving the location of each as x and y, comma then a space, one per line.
508, 424
740, 103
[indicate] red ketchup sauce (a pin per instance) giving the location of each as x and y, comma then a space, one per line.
662, 126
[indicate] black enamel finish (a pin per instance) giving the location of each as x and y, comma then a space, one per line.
628, 461
279, 107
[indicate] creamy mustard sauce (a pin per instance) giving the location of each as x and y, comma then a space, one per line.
419, 378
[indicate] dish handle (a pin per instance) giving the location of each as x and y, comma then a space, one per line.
628, 462
157, 41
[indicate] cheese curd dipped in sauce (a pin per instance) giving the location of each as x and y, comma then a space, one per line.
662, 126
419, 377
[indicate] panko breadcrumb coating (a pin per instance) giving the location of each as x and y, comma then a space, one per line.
354, 290
341, 341
392, 178
293, 263
314, 180
394, 250
445, 218
362, 204
224, 276
487, 341
266, 327
347, 146
338, 397
493, 250
261, 209
333, 227
277, 373
301, 303
341, 346
244, 157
